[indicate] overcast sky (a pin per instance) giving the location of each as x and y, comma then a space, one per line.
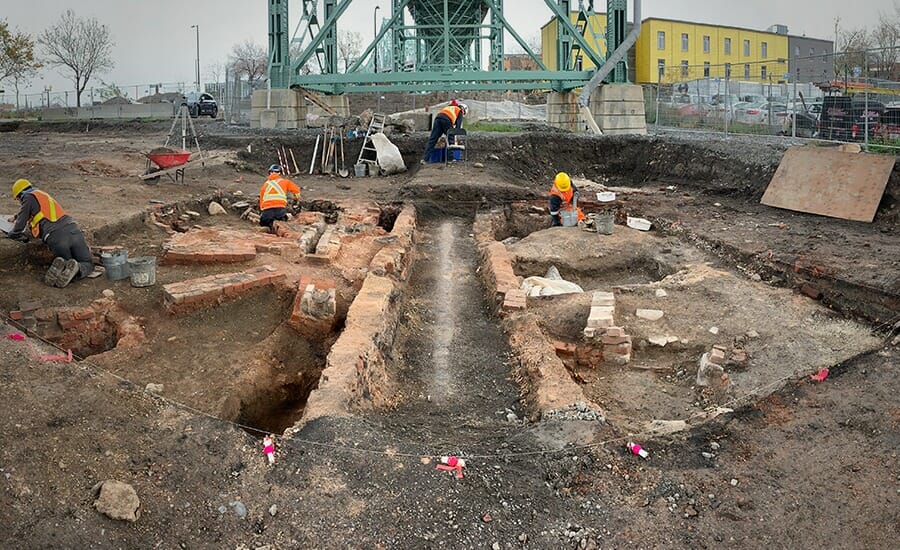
154, 41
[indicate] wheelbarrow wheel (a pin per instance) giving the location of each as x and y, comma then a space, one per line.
151, 170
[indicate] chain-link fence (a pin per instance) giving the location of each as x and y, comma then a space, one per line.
848, 96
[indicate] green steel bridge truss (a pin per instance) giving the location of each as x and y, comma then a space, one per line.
431, 45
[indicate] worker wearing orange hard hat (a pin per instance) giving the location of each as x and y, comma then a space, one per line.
564, 202
48, 222
449, 117
273, 198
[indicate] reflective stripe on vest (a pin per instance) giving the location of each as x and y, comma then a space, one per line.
274, 194
50, 211
451, 112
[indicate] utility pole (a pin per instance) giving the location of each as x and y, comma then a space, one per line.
197, 27
375, 26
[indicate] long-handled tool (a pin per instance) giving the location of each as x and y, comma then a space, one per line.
294, 160
343, 172
287, 165
328, 158
312, 163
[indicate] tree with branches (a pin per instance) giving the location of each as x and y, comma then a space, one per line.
82, 47
251, 60
349, 47
18, 62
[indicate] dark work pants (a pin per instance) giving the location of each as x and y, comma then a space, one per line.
441, 126
270, 215
67, 241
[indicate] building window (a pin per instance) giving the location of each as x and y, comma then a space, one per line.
684, 69
746, 70
765, 50
705, 44
812, 52
684, 42
746, 48
728, 70
706, 69
661, 40
796, 51
763, 72
825, 56
661, 65
727, 46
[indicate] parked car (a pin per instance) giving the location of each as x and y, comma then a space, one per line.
888, 127
199, 104
750, 113
698, 110
844, 118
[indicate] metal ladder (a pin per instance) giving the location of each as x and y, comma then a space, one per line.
376, 125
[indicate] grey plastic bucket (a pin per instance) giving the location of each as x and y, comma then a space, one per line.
569, 218
603, 223
143, 271
115, 264
359, 170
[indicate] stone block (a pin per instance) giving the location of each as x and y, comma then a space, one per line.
708, 373
615, 331
600, 298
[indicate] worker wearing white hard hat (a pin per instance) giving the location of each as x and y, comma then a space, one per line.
449, 117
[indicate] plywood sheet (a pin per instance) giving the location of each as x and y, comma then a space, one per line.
830, 183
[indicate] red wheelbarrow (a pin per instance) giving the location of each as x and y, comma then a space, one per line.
167, 160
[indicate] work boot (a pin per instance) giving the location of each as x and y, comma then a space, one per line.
68, 273
55, 269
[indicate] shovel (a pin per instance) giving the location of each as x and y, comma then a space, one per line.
343, 171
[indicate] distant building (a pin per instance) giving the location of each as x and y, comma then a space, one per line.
670, 50
519, 62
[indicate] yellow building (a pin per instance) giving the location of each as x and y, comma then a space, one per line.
685, 50
674, 51
594, 35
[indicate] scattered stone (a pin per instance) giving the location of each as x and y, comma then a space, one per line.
523, 538
660, 293
487, 518
238, 508
690, 512
734, 482
495, 546
273, 510
108, 293
714, 446
752, 334
215, 209
222, 509
193, 214
714, 330
660, 341
707, 456
650, 314
511, 417
118, 500
708, 373
240, 205
478, 165
154, 388
756, 277
665, 427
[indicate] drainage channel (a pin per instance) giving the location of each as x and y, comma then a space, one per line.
451, 354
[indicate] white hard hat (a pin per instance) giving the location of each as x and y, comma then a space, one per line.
465, 108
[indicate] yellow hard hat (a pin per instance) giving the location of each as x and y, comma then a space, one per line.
562, 181
20, 186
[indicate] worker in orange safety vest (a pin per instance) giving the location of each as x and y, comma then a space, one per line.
273, 198
449, 117
564, 197
48, 222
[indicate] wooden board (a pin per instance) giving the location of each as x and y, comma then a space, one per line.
830, 183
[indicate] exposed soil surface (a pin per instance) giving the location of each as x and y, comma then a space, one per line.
813, 464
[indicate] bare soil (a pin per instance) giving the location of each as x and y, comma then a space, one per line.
810, 465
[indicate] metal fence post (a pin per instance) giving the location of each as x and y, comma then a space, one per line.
657, 107
868, 81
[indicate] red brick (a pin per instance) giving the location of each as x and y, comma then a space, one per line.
613, 340
619, 349
564, 348
16, 315
811, 291
83, 314
615, 331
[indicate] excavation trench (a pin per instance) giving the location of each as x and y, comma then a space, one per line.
450, 353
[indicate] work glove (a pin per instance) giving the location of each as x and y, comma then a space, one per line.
21, 237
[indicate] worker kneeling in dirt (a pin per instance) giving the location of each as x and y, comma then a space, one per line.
449, 117
564, 202
49, 222
273, 198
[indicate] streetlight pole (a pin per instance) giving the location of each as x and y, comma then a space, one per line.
375, 31
197, 27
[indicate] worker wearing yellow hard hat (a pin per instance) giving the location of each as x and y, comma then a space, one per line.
564, 202
47, 221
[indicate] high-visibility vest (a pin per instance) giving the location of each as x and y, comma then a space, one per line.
50, 211
452, 113
272, 195
566, 197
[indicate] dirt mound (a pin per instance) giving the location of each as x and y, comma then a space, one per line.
95, 167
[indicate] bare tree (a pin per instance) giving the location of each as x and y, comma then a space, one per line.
349, 47
850, 52
17, 60
886, 39
81, 47
249, 59
215, 72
